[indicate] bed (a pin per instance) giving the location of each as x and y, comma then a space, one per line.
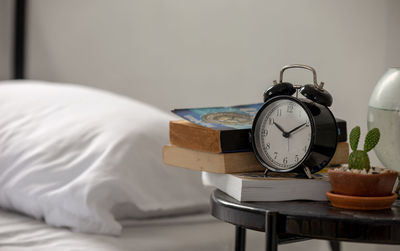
82, 170
60, 190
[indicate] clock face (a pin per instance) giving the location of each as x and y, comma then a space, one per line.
283, 134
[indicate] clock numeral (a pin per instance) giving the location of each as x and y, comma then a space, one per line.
268, 146
305, 148
290, 108
296, 158
270, 121
264, 132
285, 160
278, 112
276, 155
308, 124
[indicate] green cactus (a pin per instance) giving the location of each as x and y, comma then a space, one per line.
371, 139
354, 138
358, 159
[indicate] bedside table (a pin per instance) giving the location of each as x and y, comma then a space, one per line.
292, 221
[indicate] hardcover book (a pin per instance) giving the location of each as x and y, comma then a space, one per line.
237, 162
221, 129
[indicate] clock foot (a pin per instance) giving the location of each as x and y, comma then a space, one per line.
266, 173
307, 172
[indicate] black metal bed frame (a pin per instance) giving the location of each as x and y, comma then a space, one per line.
19, 36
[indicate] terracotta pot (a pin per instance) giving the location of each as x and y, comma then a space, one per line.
355, 184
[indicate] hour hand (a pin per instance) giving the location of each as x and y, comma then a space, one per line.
284, 134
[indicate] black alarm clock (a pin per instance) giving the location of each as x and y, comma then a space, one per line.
291, 133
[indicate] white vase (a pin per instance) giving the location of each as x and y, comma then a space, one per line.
384, 113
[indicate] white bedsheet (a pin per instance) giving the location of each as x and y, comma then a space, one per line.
195, 232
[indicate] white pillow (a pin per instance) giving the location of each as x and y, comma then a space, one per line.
80, 157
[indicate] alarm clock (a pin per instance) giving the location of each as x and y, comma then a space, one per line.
291, 133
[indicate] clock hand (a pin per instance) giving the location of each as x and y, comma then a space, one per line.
295, 129
284, 134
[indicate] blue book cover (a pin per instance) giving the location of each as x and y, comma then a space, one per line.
221, 118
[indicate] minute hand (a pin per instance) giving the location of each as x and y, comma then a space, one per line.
295, 129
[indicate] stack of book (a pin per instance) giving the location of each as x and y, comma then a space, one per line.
225, 158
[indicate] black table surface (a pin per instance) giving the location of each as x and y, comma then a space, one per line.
308, 219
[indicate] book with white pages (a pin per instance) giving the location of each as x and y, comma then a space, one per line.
281, 187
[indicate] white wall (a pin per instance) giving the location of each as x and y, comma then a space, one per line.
393, 37
196, 53
6, 12
190, 53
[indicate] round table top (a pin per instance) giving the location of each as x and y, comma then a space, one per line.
311, 219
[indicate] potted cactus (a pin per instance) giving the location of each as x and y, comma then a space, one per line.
358, 185
359, 159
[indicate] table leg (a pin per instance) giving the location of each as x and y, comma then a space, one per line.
335, 245
240, 242
271, 236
